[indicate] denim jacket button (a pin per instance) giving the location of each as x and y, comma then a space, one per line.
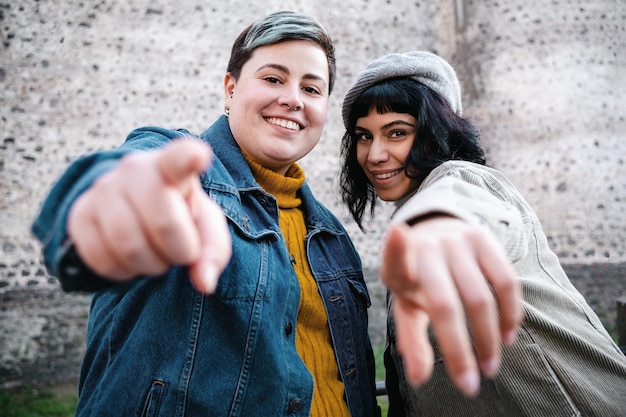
288, 328
295, 405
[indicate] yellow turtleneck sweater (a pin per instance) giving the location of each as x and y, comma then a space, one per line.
313, 340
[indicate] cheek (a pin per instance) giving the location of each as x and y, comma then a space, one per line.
361, 154
317, 113
401, 153
238, 125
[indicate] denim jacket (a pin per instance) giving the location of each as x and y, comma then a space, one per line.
157, 347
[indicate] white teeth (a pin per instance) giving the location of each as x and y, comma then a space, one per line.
288, 124
387, 175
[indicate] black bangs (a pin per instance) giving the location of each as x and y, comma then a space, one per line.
385, 97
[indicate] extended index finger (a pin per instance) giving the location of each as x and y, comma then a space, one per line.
163, 199
183, 159
215, 244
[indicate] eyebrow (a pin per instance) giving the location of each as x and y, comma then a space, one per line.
388, 125
283, 68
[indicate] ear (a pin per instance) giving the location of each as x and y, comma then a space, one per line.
229, 86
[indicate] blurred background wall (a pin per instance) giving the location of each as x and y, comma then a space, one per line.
544, 81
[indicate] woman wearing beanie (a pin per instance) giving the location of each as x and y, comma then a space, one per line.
406, 141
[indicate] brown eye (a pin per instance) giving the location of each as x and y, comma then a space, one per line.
311, 90
362, 137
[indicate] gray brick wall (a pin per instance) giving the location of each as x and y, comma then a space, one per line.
543, 80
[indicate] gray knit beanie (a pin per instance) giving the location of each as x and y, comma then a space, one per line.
425, 67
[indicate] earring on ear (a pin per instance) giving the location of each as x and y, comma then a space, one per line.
226, 109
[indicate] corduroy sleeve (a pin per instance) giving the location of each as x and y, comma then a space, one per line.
475, 194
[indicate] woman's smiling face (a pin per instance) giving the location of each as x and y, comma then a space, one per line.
383, 145
278, 105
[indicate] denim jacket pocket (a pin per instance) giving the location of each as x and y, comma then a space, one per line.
359, 290
245, 276
152, 404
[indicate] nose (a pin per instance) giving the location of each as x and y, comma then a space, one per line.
378, 151
291, 98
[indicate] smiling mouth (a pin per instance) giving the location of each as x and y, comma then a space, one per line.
287, 124
387, 175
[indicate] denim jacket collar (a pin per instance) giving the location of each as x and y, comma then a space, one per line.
228, 154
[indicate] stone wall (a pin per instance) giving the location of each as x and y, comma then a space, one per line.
543, 80
43, 336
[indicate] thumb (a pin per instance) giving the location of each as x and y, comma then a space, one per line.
394, 270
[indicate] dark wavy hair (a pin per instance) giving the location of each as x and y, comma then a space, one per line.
441, 135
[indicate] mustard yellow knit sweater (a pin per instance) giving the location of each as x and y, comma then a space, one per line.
313, 340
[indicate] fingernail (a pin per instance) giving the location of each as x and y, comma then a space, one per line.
469, 383
490, 367
210, 278
510, 337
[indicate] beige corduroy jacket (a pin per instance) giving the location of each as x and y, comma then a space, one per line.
564, 363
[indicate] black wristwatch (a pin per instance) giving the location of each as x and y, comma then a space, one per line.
75, 275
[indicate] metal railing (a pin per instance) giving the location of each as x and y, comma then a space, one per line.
380, 388
620, 323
